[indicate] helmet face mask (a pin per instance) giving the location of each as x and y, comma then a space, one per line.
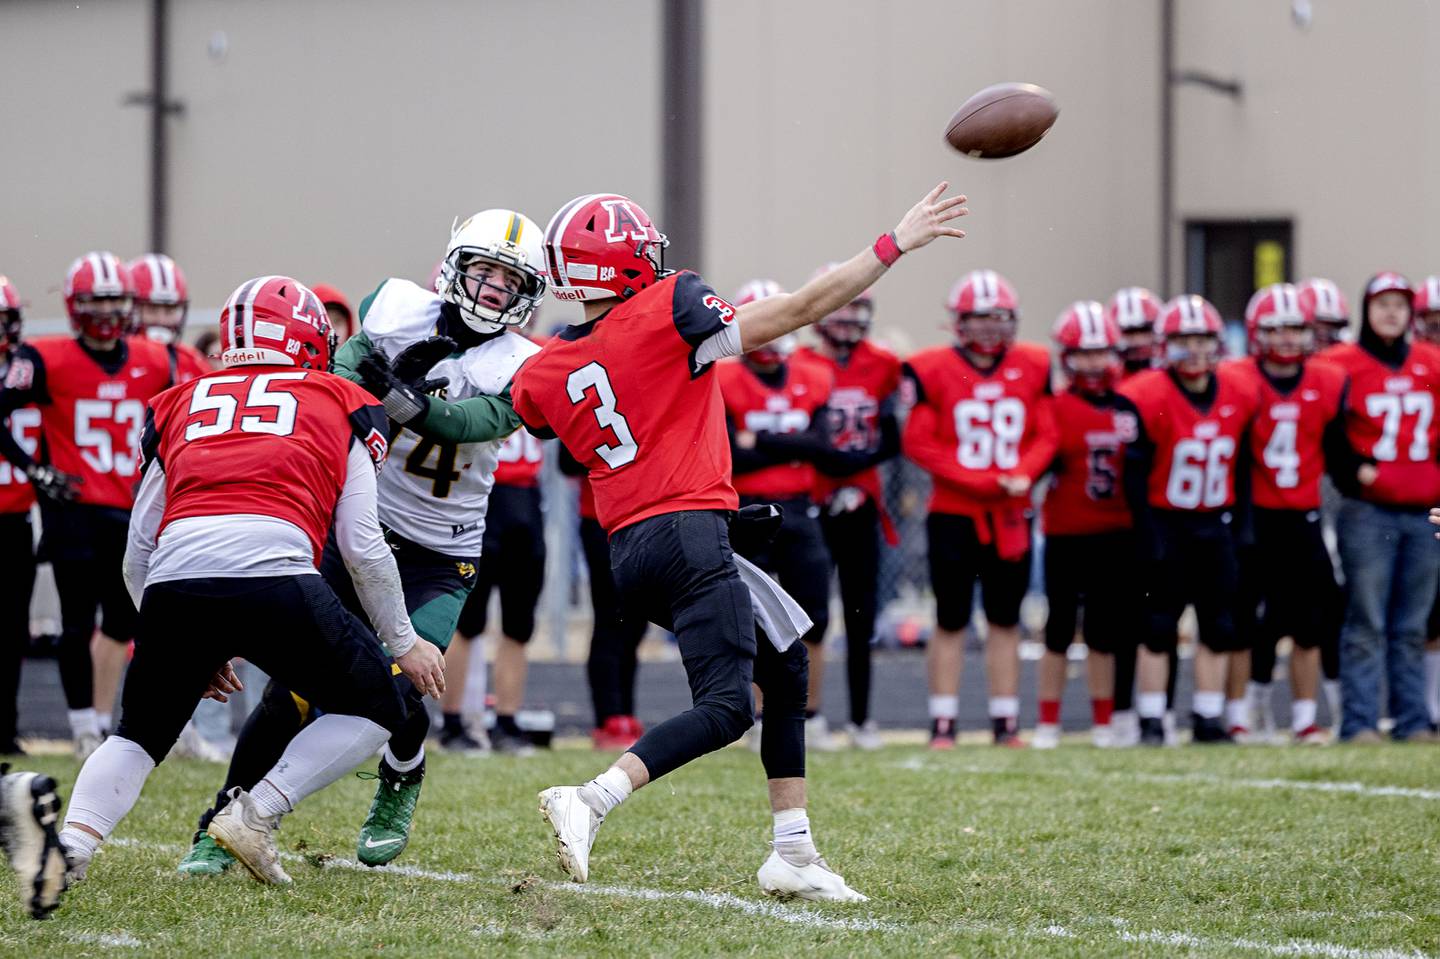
161, 322
1140, 349
102, 318
1192, 354
493, 270
1285, 344
987, 334
1091, 371
847, 326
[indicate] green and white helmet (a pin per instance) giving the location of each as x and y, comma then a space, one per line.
499, 236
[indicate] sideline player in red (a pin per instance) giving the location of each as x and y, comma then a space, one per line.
1288, 568
91, 389
631, 394
1323, 300
1180, 482
162, 301
984, 428
852, 506
17, 538
1427, 328
1089, 536
1135, 310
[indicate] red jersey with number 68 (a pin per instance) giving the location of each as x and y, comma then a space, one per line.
1287, 451
262, 440
627, 396
754, 405
1087, 495
1195, 449
1390, 418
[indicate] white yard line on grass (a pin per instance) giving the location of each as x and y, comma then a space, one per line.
110, 940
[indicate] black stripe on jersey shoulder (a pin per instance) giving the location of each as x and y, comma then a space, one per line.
150, 442
581, 330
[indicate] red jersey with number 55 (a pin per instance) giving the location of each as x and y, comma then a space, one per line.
261, 440
1087, 495
754, 405
1287, 450
16, 493
628, 397
1390, 418
1195, 449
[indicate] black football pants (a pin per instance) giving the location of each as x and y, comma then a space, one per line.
614, 639
853, 540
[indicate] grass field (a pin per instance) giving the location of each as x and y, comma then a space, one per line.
1225, 851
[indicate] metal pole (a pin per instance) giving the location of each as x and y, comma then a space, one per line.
682, 128
159, 147
1167, 144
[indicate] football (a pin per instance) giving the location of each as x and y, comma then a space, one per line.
1002, 120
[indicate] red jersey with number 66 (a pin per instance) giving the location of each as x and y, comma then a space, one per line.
1287, 450
262, 440
626, 394
1195, 449
1087, 495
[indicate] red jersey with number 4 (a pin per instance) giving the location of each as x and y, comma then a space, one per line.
91, 416
754, 405
971, 426
1390, 418
1194, 468
1086, 496
520, 457
864, 382
1287, 451
16, 493
263, 440
626, 395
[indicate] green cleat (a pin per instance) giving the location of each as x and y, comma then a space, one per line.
387, 827
205, 858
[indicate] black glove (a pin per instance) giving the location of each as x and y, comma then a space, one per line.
753, 527
403, 403
415, 361
52, 483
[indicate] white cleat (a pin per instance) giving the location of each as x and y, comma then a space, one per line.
865, 737
249, 835
814, 881
1102, 737
192, 745
29, 810
575, 825
817, 736
1047, 736
1124, 729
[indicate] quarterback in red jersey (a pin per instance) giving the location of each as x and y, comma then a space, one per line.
631, 393
1288, 569
17, 539
1180, 482
162, 300
1089, 541
91, 389
984, 428
852, 511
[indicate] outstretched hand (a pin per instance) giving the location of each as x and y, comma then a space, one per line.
928, 218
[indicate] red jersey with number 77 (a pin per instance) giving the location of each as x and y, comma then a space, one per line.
1287, 437
625, 394
263, 440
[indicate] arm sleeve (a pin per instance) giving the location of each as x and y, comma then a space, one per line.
144, 525
368, 557
477, 419
351, 352
719, 345
24, 385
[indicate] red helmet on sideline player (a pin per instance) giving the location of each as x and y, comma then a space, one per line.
275, 321
1322, 301
10, 316
1274, 308
1191, 318
99, 296
1426, 315
603, 245
775, 352
1135, 310
162, 297
986, 296
1084, 330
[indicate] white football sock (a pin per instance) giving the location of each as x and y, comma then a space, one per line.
322, 752
944, 707
83, 722
269, 800
406, 765
1432, 683
1208, 705
1302, 714
109, 784
1004, 707
793, 840
104, 721
79, 845
1237, 713
607, 790
1150, 705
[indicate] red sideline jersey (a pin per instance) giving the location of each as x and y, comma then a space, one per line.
865, 381
520, 457
751, 404
1195, 450
1287, 451
186, 362
1390, 417
1087, 495
969, 426
91, 416
626, 396
224, 438
16, 493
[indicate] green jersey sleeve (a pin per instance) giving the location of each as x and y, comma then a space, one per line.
348, 357
477, 419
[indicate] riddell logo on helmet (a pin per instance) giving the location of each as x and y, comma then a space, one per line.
566, 293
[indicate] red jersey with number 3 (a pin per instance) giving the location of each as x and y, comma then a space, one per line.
628, 398
971, 426
263, 440
1287, 450
863, 383
91, 416
1390, 418
1087, 495
16, 493
1195, 450
754, 405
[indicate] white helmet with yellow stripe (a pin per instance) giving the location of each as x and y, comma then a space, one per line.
494, 270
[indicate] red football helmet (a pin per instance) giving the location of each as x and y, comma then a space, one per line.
10, 315
1085, 329
99, 296
986, 296
1186, 316
1135, 310
756, 290
162, 297
1276, 307
1427, 310
850, 324
775, 352
603, 245
1322, 301
275, 321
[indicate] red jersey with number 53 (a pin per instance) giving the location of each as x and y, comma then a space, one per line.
1390, 418
262, 440
862, 385
1195, 449
1087, 495
628, 398
91, 415
1287, 450
971, 426
754, 405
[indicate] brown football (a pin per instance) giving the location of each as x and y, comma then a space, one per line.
1002, 120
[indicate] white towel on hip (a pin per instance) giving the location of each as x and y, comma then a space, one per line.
776, 613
